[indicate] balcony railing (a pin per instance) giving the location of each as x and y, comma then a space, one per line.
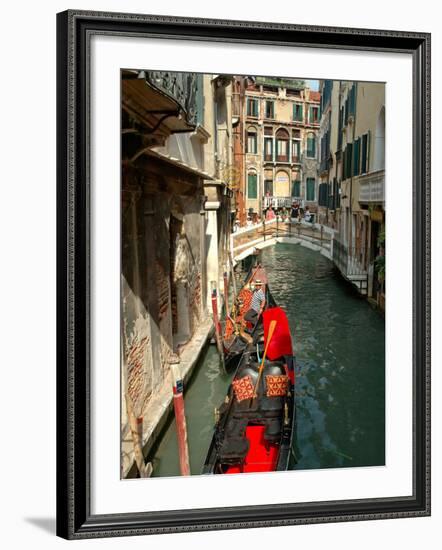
282, 158
279, 202
372, 187
351, 261
182, 87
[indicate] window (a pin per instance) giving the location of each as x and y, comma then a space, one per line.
348, 154
314, 115
311, 145
364, 153
252, 186
323, 194
270, 109
252, 107
310, 191
296, 150
297, 112
268, 188
296, 188
268, 131
282, 145
356, 157
268, 149
352, 100
252, 141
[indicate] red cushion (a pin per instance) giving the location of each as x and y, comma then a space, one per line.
243, 388
276, 385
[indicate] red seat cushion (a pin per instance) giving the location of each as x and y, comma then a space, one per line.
243, 388
276, 385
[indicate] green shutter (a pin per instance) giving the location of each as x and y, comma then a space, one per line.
296, 188
311, 146
356, 157
252, 187
297, 112
364, 154
310, 189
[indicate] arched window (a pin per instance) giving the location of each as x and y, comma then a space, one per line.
282, 145
311, 145
282, 184
379, 142
252, 140
252, 185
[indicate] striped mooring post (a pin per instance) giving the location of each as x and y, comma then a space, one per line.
180, 417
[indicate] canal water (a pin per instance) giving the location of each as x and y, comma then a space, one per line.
339, 342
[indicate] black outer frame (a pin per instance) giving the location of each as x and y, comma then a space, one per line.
74, 519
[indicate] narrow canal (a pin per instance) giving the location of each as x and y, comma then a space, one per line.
340, 376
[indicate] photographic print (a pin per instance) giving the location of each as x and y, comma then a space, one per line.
253, 272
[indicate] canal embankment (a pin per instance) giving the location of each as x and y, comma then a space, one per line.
158, 409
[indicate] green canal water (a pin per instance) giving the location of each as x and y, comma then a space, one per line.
339, 344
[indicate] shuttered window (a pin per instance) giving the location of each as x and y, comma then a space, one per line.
252, 107
297, 112
252, 186
311, 146
268, 149
310, 192
252, 142
314, 115
356, 156
296, 150
296, 188
364, 153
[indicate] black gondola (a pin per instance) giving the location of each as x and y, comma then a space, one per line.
254, 434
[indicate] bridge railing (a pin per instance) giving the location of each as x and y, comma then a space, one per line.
249, 236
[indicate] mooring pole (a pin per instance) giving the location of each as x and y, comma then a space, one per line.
216, 321
233, 275
226, 291
180, 418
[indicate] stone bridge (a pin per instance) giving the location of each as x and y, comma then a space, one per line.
314, 236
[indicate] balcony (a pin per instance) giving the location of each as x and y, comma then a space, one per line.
278, 202
155, 99
372, 187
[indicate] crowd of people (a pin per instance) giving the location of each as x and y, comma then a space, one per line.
294, 214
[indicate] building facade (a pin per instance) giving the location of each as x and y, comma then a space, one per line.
352, 153
279, 125
175, 216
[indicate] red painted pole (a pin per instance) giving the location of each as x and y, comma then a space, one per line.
216, 321
180, 417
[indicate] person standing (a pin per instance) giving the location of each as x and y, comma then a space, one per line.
294, 212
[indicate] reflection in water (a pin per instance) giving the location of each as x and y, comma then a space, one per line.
340, 384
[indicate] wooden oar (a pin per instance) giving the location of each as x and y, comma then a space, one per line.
272, 327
